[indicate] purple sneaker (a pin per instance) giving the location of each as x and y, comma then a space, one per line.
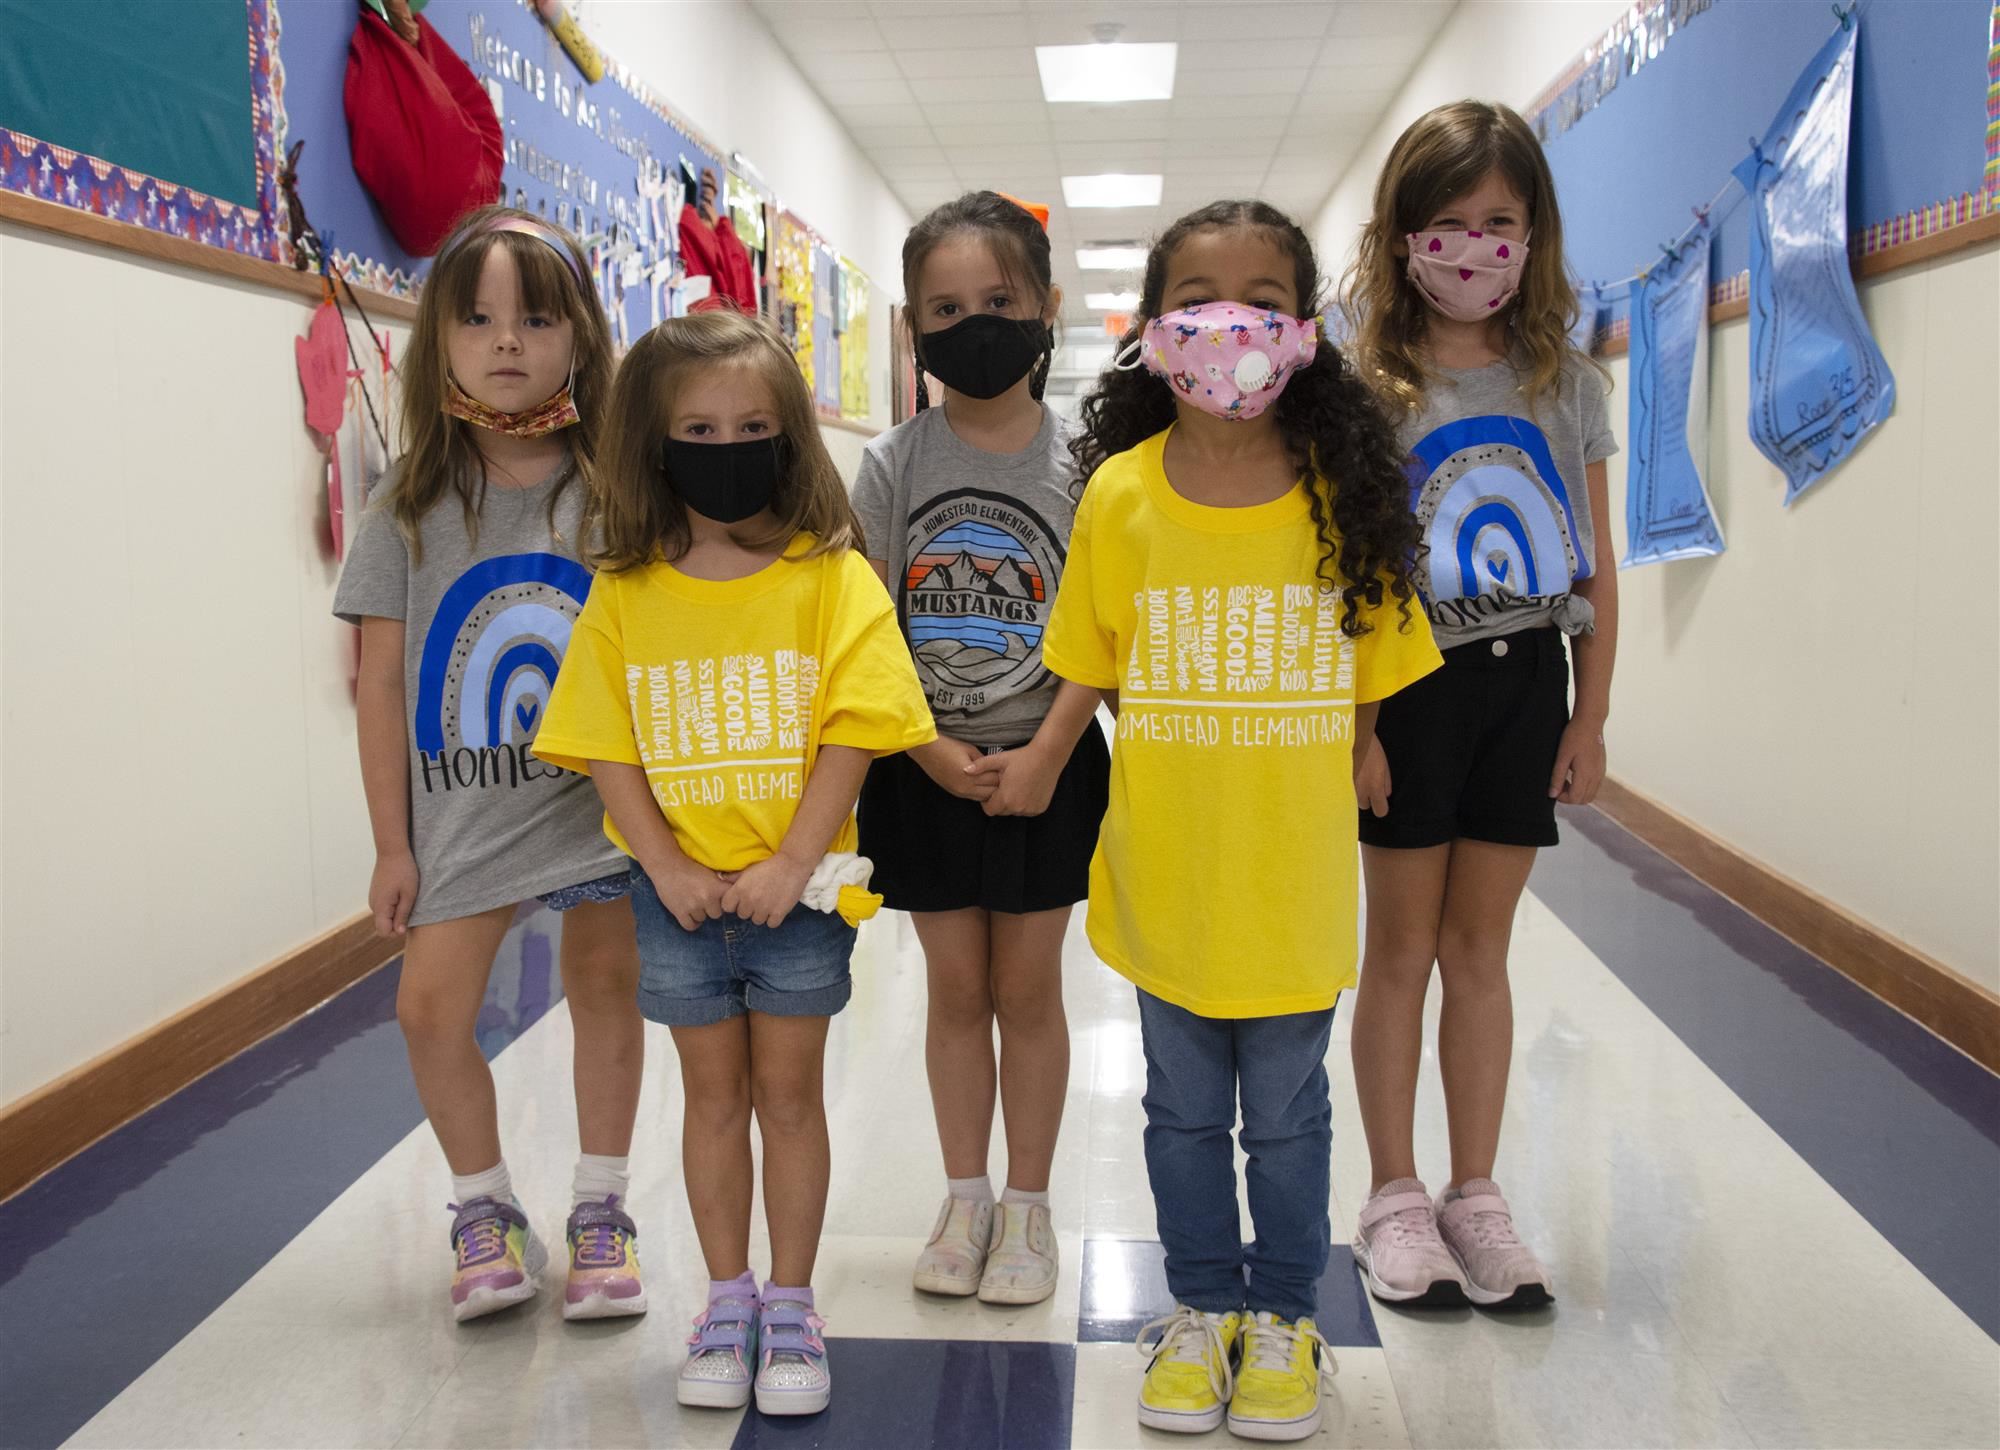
717, 1373
498, 1257
793, 1377
604, 1278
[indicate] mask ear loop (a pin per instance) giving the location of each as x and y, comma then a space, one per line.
1130, 357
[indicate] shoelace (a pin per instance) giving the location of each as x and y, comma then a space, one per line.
1494, 1230
601, 1246
1187, 1336
480, 1240
1271, 1347
1412, 1228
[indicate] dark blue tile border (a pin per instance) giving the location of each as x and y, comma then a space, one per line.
966, 1394
1904, 1126
109, 1260
1125, 1289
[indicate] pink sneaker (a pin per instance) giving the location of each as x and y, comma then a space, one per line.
1501, 1272
1401, 1257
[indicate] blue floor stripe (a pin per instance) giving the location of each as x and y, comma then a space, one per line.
1125, 1289
109, 1260
1901, 1124
886, 1393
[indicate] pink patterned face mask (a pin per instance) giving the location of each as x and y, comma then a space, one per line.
1225, 358
1466, 275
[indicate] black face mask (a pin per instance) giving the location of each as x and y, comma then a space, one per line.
984, 355
727, 482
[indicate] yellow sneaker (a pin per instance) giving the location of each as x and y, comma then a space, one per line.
1278, 1385
1192, 1370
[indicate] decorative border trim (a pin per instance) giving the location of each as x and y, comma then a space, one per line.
1955, 1008
1633, 39
64, 1117
43, 170
1731, 297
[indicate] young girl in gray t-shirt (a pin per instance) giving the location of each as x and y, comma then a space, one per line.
986, 834
465, 580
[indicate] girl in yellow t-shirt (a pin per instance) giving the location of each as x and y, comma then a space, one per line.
734, 671
1239, 575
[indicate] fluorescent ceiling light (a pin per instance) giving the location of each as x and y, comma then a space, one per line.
1110, 259
1111, 189
1111, 301
1107, 72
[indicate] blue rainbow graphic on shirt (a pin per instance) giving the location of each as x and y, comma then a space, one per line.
493, 650
1494, 512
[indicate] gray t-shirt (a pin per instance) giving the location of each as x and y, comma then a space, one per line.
486, 625
975, 544
1500, 497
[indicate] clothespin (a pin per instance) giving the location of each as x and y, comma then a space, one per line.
1844, 15
1700, 213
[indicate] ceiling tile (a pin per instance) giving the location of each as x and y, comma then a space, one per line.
1246, 102
849, 65
787, 12
955, 137
1343, 52
876, 91
859, 117
897, 138
1014, 60
894, 11
806, 37
955, 32
1254, 22
977, 88
1395, 17
1009, 114
1071, 24
1137, 121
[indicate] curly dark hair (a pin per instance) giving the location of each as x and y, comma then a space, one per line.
1333, 428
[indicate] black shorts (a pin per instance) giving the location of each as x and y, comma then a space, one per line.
934, 851
1471, 747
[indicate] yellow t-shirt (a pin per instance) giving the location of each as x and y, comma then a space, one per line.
725, 691
1225, 874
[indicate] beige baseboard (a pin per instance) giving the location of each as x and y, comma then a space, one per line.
1961, 1011
64, 1117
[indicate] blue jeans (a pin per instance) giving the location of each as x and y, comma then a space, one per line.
1195, 1068
727, 967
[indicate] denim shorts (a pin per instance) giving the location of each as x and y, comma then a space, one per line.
604, 888
727, 967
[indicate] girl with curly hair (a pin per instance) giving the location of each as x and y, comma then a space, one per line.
1239, 577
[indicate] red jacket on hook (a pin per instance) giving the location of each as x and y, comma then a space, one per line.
427, 144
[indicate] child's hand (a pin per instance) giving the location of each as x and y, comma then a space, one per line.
1371, 779
945, 760
1024, 780
766, 893
1579, 764
690, 891
392, 891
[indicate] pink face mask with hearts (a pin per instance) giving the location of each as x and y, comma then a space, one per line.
1225, 358
1466, 275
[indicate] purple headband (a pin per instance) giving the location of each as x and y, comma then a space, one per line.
542, 232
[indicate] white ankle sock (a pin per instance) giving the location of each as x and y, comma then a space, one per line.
598, 1176
1022, 1195
493, 1183
979, 1190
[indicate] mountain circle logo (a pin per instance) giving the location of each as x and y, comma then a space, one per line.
977, 590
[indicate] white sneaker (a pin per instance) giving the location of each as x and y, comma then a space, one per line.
955, 1257
1021, 1265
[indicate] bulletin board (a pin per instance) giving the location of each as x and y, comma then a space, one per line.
164, 117
1645, 126
598, 159
174, 119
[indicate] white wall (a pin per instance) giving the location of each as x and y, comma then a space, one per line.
1823, 696
182, 802
720, 67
